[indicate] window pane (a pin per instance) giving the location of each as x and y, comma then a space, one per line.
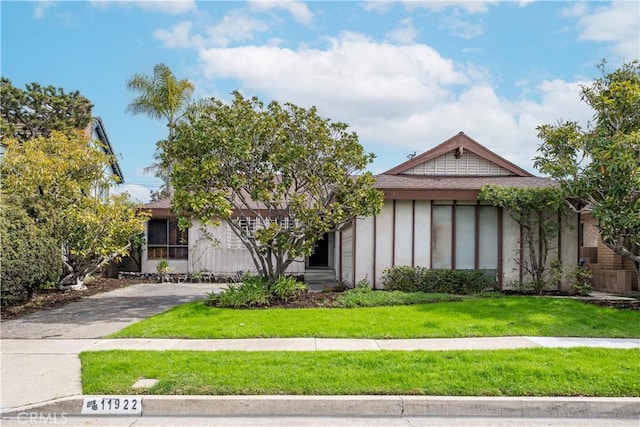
465, 237
177, 237
157, 232
488, 237
441, 237
178, 253
157, 253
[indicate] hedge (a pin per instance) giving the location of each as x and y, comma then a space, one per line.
421, 279
29, 257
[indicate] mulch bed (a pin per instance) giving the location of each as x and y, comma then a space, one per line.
46, 299
307, 300
618, 304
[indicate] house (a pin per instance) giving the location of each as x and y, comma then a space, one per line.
95, 131
431, 217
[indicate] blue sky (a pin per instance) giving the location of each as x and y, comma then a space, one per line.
405, 75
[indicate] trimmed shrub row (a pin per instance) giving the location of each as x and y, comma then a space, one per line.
421, 279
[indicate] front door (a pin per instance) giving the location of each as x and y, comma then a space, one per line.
320, 255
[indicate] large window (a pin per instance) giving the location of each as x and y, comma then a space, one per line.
464, 236
166, 241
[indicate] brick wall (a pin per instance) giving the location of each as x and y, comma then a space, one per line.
609, 267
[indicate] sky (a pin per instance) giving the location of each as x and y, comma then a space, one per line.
404, 75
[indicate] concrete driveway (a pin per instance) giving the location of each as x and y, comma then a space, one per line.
29, 377
103, 314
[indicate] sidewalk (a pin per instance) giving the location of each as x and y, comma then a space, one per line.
38, 371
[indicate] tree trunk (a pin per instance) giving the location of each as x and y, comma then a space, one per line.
72, 281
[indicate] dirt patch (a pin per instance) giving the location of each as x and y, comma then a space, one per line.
308, 300
46, 299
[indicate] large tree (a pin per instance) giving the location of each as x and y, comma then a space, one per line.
279, 175
59, 180
599, 166
39, 110
162, 97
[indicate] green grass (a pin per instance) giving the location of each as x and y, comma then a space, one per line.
522, 372
481, 317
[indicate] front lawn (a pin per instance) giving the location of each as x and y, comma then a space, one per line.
522, 372
476, 317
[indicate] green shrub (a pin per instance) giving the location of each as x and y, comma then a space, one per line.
252, 292
421, 279
366, 297
581, 280
401, 278
29, 257
287, 288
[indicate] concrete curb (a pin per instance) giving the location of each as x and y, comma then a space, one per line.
361, 406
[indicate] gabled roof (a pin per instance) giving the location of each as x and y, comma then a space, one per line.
97, 125
455, 170
458, 146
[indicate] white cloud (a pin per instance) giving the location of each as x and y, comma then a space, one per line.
298, 10
171, 7
460, 27
179, 36
41, 8
467, 6
576, 9
470, 6
355, 69
235, 26
378, 6
398, 98
618, 23
405, 33
137, 192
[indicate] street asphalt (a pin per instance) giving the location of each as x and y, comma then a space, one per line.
40, 368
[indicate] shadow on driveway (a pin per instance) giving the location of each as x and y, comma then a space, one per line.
104, 314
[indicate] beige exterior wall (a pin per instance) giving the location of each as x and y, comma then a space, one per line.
404, 233
346, 259
383, 242
364, 250
510, 252
569, 251
211, 249
422, 242
403, 237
